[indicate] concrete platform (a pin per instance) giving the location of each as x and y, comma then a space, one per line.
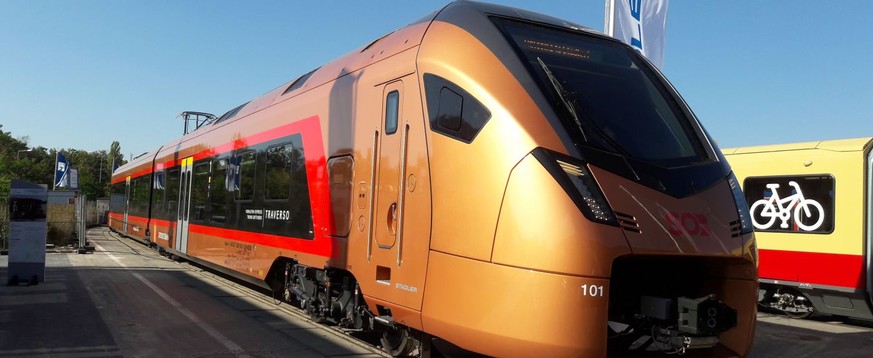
125, 300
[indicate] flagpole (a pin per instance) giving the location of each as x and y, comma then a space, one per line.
55, 173
608, 26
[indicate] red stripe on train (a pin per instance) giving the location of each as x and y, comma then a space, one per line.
315, 162
321, 245
812, 267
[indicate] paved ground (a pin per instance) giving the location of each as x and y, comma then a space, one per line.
778, 336
125, 300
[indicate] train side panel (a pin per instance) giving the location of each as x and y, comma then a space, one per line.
130, 193
823, 261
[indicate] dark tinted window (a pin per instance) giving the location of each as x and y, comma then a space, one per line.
279, 162
391, 104
801, 204
200, 192
172, 194
340, 172
451, 105
299, 82
453, 111
230, 114
117, 197
218, 188
139, 196
247, 171
158, 193
622, 105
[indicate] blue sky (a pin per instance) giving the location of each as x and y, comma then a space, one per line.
80, 74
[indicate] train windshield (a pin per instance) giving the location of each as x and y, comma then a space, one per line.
607, 96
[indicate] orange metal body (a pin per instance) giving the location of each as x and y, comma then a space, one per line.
475, 243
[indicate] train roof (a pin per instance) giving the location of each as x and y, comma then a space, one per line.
459, 12
410, 35
839, 145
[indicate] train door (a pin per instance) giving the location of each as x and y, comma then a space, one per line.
389, 199
126, 203
184, 207
399, 247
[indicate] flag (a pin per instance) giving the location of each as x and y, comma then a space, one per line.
62, 167
641, 24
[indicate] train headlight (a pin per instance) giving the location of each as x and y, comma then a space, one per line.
742, 206
577, 181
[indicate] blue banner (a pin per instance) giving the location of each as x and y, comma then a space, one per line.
61, 169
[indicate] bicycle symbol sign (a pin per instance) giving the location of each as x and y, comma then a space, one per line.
775, 207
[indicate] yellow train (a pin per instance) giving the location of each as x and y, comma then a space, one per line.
485, 179
811, 206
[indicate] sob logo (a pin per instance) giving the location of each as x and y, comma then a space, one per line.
694, 224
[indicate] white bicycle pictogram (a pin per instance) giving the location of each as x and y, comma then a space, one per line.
776, 207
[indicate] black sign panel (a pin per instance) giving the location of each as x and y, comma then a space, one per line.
801, 204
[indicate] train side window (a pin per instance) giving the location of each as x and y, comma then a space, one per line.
139, 196
279, 160
340, 173
200, 191
158, 193
218, 188
246, 176
116, 197
132, 204
392, 102
451, 107
453, 111
172, 194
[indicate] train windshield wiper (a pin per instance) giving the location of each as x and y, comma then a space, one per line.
567, 98
564, 95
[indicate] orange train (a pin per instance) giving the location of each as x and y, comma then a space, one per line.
485, 179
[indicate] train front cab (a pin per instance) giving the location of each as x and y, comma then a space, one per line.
538, 250
814, 234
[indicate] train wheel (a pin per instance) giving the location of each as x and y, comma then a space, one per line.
397, 342
794, 304
799, 315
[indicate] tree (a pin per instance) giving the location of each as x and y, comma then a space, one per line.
37, 165
115, 156
15, 161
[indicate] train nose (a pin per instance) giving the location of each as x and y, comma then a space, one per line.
657, 223
544, 225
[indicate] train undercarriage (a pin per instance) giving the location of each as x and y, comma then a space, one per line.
646, 314
333, 297
787, 300
663, 305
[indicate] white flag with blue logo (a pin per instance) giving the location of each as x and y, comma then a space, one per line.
641, 24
